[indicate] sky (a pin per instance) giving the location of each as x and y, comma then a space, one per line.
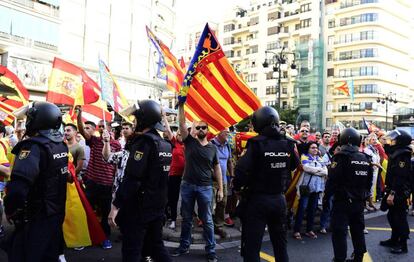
194, 12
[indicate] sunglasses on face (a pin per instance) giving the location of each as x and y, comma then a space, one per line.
304, 131
201, 127
101, 126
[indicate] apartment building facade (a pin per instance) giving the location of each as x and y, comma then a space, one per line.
250, 36
368, 44
33, 32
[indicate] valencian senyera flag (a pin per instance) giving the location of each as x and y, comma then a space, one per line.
81, 227
13, 95
212, 90
70, 85
168, 67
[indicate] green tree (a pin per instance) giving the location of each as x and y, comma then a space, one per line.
288, 115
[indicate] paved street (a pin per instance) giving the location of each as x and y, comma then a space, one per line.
306, 250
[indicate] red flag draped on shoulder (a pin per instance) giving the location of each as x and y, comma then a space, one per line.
70, 85
212, 90
13, 95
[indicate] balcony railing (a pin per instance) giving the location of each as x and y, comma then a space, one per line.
356, 2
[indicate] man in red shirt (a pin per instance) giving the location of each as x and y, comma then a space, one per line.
176, 172
99, 175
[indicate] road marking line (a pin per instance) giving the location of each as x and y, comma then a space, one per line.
267, 257
367, 258
383, 229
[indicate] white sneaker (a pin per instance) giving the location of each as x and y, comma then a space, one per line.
172, 225
62, 258
366, 231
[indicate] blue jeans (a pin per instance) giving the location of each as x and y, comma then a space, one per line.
308, 203
204, 197
326, 214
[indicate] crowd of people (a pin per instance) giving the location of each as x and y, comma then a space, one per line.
116, 165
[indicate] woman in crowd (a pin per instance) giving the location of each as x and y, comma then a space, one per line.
370, 149
311, 184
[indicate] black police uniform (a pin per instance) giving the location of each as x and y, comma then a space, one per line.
349, 181
264, 171
142, 196
398, 181
36, 197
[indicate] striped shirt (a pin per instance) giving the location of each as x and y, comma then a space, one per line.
98, 171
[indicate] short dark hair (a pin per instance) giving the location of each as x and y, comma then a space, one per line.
126, 124
325, 133
72, 125
90, 123
2, 130
309, 144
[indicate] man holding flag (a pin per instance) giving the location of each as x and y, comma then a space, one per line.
99, 175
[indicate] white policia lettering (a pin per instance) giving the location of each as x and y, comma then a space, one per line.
279, 154
166, 168
61, 155
360, 163
165, 154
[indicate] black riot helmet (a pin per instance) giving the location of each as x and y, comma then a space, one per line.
350, 136
265, 117
42, 116
148, 115
402, 138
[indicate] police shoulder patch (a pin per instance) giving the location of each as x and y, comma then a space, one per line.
138, 155
402, 164
333, 165
24, 154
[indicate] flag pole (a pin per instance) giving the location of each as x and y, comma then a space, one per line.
100, 81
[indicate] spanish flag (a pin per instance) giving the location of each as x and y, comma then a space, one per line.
81, 227
13, 95
212, 90
70, 85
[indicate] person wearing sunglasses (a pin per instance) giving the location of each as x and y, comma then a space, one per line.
201, 168
302, 141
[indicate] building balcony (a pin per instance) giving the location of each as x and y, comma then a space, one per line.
356, 3
294, 16
243, 29
27, 42
43, 8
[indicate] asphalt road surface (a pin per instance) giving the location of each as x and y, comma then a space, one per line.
306, 250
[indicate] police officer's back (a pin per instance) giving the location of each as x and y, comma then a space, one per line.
142, 195
36, 194
349, 181
263, 173
398, 186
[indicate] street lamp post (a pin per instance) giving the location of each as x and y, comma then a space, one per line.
281, 59
385, 99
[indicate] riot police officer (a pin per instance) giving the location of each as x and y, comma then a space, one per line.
262, 175
36, 194
398, 189
349, 181
142, 195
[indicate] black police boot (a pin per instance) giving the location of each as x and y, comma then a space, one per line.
356, 258
337, 260
388, 243
400, 248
